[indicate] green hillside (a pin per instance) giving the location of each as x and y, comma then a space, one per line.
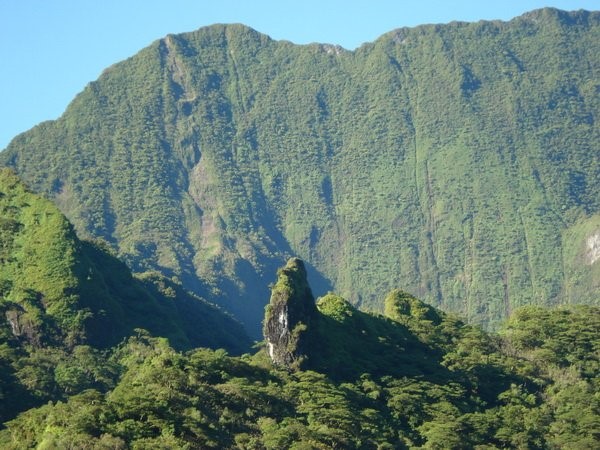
458, 161
63, 301
414, 378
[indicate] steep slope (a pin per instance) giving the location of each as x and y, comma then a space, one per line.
331, 336
290, 312
418, 378
459, 161
57, 291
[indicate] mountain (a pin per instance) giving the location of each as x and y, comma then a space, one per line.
64, 302
457, 161
414, 378
59, 290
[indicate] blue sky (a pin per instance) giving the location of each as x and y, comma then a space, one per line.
50, 49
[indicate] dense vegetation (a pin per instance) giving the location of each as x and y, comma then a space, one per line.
459, 161
415, 378
65, 302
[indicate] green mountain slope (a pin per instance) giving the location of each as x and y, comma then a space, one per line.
459, 161
59, 291
415, 378
64, 302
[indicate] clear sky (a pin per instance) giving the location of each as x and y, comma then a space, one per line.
50, 49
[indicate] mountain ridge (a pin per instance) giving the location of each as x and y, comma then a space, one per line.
456, 161
327, 376
57, 290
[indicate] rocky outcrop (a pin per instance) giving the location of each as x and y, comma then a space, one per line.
593, 248
289, 316
21, 325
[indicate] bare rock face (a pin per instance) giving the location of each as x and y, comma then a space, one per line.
22, 327
593, 248
289, 316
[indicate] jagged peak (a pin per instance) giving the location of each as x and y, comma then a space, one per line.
288, 315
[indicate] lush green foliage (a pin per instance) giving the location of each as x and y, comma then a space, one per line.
459, 161
473, 391
63, 301
418, 378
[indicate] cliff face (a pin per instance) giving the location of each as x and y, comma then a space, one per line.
289, 315
458, 161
